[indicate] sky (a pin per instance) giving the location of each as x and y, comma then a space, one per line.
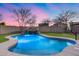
41, 10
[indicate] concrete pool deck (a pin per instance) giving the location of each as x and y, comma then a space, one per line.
68, 51
6, 45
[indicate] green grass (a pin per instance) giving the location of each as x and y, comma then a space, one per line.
68, 35
2, 37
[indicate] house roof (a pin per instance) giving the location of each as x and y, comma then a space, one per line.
75, 23
2, 23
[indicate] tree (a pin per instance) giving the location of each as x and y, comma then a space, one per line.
22, 16
65, 17
46, 21
32, 21
56, 21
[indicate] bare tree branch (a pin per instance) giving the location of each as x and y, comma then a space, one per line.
46, 21
65, 16
22, 15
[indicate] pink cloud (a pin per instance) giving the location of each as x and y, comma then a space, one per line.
41, 15
9, 20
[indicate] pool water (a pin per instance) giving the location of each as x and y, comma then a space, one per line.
38, 45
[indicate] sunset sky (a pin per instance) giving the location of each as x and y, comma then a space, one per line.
42, 10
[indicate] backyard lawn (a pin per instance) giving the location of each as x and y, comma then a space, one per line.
2, 37
69, 35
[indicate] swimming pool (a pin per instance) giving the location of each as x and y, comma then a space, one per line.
38, 45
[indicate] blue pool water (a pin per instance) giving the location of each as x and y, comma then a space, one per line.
39, 45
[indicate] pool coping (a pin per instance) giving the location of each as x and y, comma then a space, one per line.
11, 42
71, 50
59, 37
